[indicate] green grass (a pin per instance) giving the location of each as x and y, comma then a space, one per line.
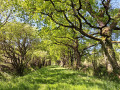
57, 78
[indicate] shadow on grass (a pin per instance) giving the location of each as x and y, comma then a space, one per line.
55, 74
58, 78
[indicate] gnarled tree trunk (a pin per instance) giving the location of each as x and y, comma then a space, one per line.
77, 53
109, 52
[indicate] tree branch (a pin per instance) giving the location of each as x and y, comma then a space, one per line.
115, 41
55, 7
67, 38
59, 23
80, 5
90, 46
87, 21
115, 20
59, 43
68, 19
106, 6
71, 26
117, 28
5, 21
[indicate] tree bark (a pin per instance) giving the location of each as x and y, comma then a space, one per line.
71, 57
78, 60
77, 53
78, 57
110, 54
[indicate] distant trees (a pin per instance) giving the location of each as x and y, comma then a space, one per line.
16, 42
39, 59
66, 45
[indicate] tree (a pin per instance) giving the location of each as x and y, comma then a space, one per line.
17, 39
97, 16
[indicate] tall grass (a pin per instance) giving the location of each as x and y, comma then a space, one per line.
57, 78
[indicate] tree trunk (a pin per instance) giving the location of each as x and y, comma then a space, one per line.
77, 53
43, 61
64, 60
71, 57
20, 70
110, 54
78, 58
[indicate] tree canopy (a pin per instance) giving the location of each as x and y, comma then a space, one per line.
68, 31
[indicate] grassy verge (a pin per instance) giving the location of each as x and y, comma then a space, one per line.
57, 78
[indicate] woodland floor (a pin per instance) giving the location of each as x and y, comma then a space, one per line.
58, 78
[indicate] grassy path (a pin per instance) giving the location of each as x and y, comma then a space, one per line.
57, 78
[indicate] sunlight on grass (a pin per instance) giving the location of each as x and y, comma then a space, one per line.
57, 78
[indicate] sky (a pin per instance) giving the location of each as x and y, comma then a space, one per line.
115, 3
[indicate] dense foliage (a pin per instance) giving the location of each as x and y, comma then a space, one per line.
81, 35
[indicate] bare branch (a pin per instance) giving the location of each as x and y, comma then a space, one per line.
117, 28
106, 6
87, 21
115, 41
90, 46
80, 7
50, 15
68, 19
55, 7
90, 34
60, 23
5, 21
